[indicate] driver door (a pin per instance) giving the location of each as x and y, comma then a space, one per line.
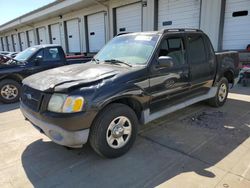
49, 58
169, 85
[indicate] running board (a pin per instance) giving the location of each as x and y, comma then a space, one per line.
147, 117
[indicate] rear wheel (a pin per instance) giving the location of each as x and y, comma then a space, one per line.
114, 131
9, 91
221, 95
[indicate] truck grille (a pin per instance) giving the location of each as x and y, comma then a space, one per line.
31, 97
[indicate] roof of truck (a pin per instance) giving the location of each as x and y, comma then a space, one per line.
175, 30
46, 45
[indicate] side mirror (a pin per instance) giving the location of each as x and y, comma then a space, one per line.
38, 59
165, 61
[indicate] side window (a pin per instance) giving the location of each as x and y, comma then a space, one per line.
51, 54
173, 47
197, 52
40, 53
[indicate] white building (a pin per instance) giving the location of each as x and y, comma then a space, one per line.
86, 25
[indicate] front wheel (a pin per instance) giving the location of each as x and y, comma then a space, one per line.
221, 95
9, 91
114, 131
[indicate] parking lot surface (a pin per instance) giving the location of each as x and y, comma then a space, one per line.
198, 146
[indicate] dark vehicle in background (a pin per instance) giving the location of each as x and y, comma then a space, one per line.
30, 61
4, 59
136, 78
6, 56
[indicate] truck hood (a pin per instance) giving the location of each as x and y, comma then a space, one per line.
65, 77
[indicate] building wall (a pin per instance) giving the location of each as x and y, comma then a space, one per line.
209, 20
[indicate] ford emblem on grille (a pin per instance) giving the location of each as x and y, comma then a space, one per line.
29, 96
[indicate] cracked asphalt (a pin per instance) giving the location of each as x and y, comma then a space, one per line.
198, 146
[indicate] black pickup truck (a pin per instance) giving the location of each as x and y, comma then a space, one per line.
134, 79
32, 60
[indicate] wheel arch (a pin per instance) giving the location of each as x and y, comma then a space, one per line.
229, 75
16, 77
135, 104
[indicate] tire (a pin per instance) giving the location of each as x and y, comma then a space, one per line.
220, 97
100, 131
9, 91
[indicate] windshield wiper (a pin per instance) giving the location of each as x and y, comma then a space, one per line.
97, 61
116, 61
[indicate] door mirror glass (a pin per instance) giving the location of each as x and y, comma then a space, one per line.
165, 61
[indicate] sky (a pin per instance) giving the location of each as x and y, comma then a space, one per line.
11, 9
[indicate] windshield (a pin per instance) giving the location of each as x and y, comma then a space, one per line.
131, 49
25, 55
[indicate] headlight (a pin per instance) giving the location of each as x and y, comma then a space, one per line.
62, 103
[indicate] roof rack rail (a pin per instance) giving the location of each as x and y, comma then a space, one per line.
181, 29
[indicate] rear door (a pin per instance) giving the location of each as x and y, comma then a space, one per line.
201, 63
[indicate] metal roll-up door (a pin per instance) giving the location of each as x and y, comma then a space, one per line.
236, 32
23, 43
31, 37
1, 44
5, 44
179, 14
96, 31
10, 44
73, 36
55, 34
129, 18
42, 35
15, 43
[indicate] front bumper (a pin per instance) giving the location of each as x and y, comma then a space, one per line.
74, 139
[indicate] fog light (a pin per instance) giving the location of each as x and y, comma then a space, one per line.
55, 135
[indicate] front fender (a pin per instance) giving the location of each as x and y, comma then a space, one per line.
135, 93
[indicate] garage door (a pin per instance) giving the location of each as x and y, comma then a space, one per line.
1, 44
15, 43
96, 31
73, 36
5, 44
23, 41
55, 34
237, 25
178, 14
129, 18
9, 40
31, 38
42, 35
